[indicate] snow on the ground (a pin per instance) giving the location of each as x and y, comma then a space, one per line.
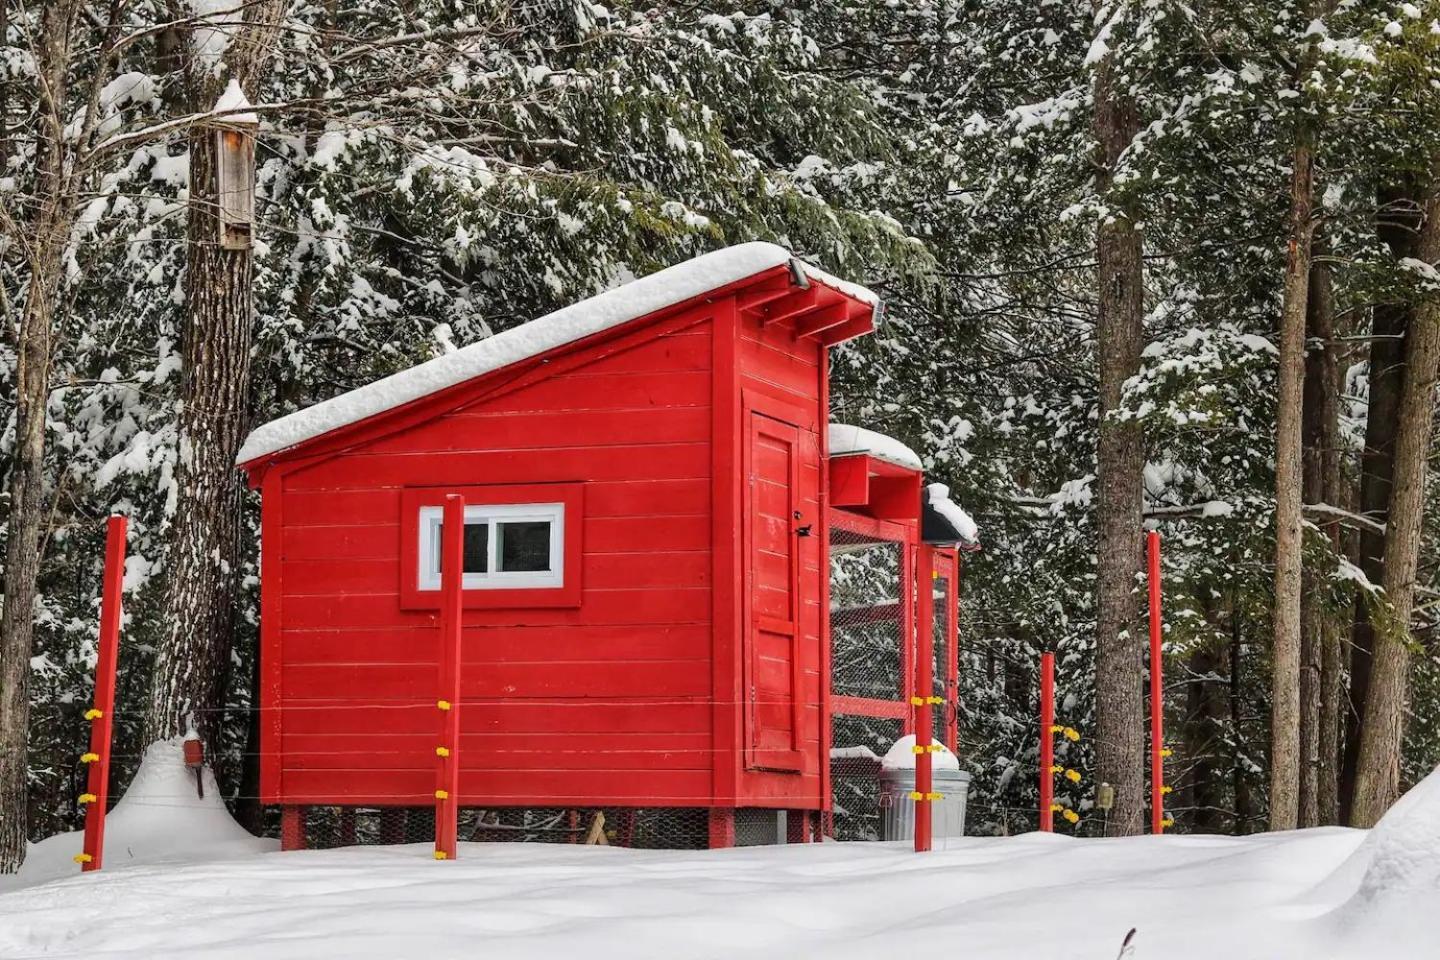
160, 818
1305, 895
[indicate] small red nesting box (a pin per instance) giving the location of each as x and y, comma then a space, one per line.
644, 479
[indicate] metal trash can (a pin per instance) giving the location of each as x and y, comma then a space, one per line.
897, 810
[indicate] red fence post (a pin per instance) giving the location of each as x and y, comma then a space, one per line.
924, 698
1047, 742
1157, 692
447, 749
102, 712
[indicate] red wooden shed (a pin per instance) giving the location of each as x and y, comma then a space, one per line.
646, 556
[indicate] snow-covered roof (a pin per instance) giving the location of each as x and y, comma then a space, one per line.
938, 496
846, 439
622, 304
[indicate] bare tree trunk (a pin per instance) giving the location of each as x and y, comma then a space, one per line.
1321, 464
1398, 226
44, 245
1377, 775
1322, 668
191, 668
1289, 533
1119, 331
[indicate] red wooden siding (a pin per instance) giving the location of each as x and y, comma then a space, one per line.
781, 378
605, 702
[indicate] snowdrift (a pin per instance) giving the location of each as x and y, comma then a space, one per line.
1393, 878
158, 819
1328, 894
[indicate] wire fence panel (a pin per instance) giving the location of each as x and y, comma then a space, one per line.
865, 617
867, 655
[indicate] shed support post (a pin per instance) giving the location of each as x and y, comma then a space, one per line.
797, 826
447, 744
292, 827
722, 827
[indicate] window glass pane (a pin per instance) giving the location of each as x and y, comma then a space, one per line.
524, 545
477, 540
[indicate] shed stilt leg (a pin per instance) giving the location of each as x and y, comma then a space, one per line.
722, 827
292, 828
797, 826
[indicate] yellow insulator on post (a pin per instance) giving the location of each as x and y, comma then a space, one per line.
935, 701
441, 855
1071, 734
1070, 816
83, 858
93, 714
88, 798
442, 751
1167, 752
442, 795
1167, 823
1056, 807
916, 795
1166, 789
443, 704
1056, 768
1072, 775
1056, 728
917, 749
89, 758
935, 796
917, 701
936, 748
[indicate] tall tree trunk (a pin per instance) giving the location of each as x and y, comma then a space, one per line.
1398, 226
1321, 669
1377, 774
1119, 332
1289, 532
45, 240
192, 660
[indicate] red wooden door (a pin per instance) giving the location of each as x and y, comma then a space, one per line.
773, 526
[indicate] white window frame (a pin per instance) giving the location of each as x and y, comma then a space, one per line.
493, 514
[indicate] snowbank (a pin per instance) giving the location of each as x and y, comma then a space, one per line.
848, 439
1031, 897
159, 819
631, 301
1393, 879
901, 756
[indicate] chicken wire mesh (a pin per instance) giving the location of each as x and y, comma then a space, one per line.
648, 828
868, 662
866, 655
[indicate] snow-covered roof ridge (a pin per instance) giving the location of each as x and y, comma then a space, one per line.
847, 439
636, 299
938, 496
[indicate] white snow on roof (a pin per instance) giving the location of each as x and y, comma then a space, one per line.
235, 105
622, 304
846, 439
939, 496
